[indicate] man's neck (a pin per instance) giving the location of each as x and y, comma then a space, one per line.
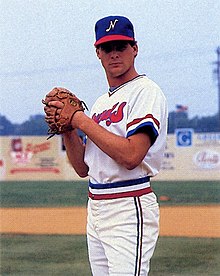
117, 81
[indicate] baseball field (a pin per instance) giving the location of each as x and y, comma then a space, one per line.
43, 228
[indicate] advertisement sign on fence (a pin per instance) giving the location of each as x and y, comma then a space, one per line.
191, 156
188, 156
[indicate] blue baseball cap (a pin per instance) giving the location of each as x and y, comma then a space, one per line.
112, 28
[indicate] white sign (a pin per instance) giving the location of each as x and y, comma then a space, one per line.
207, 159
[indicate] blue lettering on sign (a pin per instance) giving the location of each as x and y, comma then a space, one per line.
184, 137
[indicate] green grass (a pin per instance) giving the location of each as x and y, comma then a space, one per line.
43, 193
44, 255
188, 192
186, 257
69, 193
27, 255
67, 255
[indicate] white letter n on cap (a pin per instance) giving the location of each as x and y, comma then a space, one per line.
112, 25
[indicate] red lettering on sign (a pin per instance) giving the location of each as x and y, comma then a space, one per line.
38, 147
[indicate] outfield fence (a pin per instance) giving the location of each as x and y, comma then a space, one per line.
188, 156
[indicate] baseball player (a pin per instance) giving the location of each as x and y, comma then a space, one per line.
126, 135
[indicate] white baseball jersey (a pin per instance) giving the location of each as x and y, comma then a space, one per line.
137, 104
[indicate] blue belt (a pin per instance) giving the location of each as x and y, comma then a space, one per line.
119, 183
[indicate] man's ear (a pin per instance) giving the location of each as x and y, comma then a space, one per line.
98, 52
135, 47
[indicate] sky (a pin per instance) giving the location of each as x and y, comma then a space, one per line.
48, 43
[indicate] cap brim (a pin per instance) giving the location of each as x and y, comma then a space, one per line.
112, 38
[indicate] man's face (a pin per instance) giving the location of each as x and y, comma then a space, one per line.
117, 57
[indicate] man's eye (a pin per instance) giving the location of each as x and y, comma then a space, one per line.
106, 48
109, 48
121, 48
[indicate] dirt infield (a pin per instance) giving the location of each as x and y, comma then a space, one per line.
190, 221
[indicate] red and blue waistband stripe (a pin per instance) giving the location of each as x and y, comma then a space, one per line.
119, 184
121, 195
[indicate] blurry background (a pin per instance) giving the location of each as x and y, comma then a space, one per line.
50, 43
47, 43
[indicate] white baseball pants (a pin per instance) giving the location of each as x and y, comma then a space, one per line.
122, 235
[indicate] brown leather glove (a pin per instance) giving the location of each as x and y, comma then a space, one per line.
59, 119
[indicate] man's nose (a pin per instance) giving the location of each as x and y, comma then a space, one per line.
114, 52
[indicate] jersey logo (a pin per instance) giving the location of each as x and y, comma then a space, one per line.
112, 25
113, 115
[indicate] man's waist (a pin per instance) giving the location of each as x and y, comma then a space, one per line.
120, 189
118, 184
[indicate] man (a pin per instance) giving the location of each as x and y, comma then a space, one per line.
126, 137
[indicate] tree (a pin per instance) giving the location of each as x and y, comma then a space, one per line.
6, 127
36, 125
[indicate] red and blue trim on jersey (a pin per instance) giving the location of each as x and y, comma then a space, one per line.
138, 120
120, 189
150, 127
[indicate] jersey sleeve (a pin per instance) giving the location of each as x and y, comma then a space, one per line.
146, 109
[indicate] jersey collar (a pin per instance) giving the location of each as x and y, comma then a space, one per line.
113, 89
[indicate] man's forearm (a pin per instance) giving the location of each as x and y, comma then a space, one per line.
75, 151
128, 152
